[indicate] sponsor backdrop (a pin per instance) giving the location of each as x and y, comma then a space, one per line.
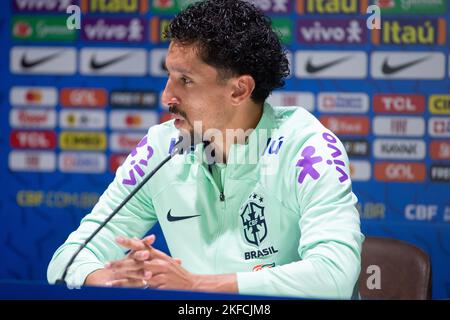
75, 102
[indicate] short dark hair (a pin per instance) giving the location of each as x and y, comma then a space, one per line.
234, 37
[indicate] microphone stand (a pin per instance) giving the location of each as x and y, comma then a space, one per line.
177, 149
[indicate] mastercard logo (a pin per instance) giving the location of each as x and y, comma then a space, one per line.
33, 96
133, 120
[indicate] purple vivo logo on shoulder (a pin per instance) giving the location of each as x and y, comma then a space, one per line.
138, 163
309, 159
307, 164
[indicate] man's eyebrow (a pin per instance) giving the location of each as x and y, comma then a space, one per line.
177, 69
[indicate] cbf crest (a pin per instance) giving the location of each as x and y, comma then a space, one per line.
253, 220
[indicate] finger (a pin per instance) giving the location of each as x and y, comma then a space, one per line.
157, 281
132, 274
150, 240
157, 266
157, 254
130, 283
177, 261
129, 243
140, 255
124, 264
150, 254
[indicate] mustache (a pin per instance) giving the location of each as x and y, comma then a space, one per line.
174, 109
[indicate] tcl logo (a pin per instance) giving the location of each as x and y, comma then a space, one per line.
347, 125
400, 172
115, 161
399, 103
78, 97
33, 139
421, 212
440, 150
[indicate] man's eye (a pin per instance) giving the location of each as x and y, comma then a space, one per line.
185, 80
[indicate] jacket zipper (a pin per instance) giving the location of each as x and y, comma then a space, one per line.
218, 187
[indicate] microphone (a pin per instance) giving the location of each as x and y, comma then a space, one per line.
183, 144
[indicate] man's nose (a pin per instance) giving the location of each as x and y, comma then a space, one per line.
168, 96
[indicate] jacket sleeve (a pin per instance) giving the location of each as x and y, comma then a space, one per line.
133, 220
330, 241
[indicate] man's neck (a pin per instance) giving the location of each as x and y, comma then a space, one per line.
238, 130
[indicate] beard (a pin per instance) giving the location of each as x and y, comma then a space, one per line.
175, 110
188, 133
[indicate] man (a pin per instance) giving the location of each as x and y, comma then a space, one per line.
268, 211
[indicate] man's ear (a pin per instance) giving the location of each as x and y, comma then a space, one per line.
242, 89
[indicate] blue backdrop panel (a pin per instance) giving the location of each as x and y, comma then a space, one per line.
385, 93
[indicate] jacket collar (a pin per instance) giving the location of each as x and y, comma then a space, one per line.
244, 157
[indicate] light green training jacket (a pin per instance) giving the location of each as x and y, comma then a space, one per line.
281, 214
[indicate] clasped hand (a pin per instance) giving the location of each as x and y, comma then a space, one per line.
144, 266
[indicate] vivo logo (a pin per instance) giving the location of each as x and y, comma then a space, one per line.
56, 6
273, 6
114, 29
331, 31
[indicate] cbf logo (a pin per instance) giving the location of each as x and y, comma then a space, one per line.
252, 215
